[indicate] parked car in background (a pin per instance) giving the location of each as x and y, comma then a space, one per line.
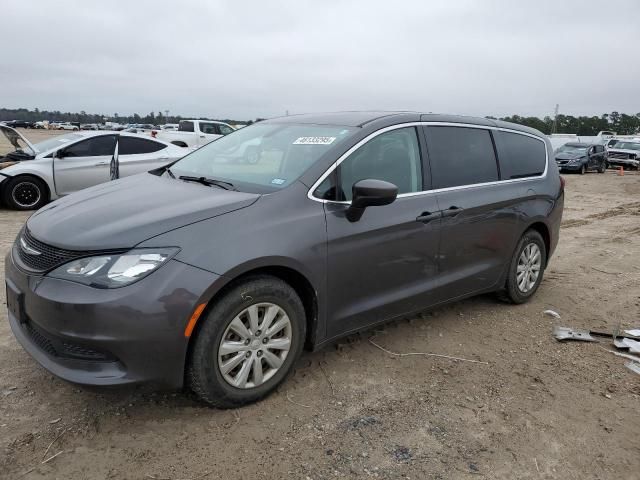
89, 126
625, 154
33, 174
67, 126
19, 124
169, 127
218, 274
195, 133
141, 128
581, 157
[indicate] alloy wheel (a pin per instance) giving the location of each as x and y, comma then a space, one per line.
528, 269
254, 345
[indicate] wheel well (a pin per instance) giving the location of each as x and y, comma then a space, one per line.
179, 143
28, 175
295, 279
543, 230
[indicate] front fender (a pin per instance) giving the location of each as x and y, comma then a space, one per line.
42, 171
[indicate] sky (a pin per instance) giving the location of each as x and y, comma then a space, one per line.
249, 59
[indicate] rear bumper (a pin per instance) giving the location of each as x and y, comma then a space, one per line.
109, 336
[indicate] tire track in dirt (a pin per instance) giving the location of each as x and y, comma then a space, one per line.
625, 209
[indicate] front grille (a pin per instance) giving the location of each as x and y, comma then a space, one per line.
41, 340
63, 349
621, 155
49, 257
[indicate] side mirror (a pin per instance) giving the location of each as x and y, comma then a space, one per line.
370, 193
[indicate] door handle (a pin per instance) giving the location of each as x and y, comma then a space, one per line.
426, 217
100, 164
452, 211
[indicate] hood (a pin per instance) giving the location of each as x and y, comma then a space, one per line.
569, 155
123, 213
19, 143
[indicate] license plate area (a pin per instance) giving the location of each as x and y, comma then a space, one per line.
15, 302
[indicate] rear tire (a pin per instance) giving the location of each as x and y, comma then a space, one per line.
516, 290
258, 368
24, 193
603, 167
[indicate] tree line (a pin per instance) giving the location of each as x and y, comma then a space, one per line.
153, 118
621, 123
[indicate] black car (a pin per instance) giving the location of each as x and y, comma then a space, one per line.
581, 157
215, 273
20, 124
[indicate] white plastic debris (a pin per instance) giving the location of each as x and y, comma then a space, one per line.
624, 343
634, 333
551, 313
633, 366
566, 333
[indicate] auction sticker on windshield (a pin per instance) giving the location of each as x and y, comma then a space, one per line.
314, 141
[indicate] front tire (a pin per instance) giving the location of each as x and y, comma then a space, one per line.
248, 343
583, 169
24, 193
526, 269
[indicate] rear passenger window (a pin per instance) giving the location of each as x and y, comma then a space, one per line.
461, 156
520, 156
134, 146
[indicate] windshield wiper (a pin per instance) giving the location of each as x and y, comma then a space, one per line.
168, 170
209, 182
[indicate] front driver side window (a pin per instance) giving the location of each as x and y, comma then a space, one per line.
393, 156
225, 130
209, 128
92, 147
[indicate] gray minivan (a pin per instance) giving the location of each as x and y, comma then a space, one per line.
216, 271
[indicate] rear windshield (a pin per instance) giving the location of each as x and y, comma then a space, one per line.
267, 155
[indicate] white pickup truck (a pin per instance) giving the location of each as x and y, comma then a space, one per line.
194, 133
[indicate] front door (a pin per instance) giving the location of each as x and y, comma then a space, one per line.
83, 164
384, 264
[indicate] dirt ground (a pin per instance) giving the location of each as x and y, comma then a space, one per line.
537, 409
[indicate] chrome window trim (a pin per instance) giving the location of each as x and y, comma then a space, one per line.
344, 156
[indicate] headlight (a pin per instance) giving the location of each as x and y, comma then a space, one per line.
576, 160
112, 271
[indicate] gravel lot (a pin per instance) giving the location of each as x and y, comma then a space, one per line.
538, 409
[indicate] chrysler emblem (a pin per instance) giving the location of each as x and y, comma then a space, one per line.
27, 249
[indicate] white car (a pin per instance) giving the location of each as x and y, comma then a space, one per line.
67, 126
195, 133
33, 174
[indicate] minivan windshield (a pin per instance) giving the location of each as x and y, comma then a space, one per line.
571, 149
268, 156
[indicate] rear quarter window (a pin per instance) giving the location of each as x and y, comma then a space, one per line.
134, 146
520, 156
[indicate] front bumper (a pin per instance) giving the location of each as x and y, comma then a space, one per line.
621, 162
109, 336
570, 168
